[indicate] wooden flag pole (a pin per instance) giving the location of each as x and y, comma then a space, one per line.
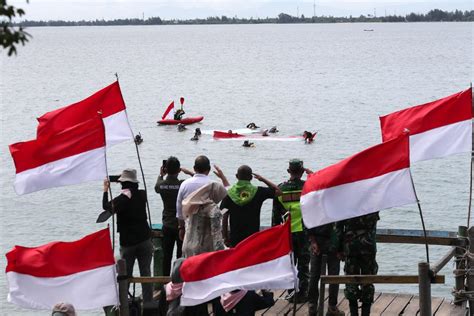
422, 220
470, 181
140, 164
110, 190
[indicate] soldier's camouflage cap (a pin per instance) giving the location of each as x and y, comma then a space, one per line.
295, 164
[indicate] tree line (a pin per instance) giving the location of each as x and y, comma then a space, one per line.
435, 15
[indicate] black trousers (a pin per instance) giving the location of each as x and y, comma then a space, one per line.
170, 237
333, 267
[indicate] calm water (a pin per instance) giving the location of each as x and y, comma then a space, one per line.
335, 79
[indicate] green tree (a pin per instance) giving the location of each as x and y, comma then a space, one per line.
11, 36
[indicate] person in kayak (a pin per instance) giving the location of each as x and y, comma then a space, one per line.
178, 115
273, 130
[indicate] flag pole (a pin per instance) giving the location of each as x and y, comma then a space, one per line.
110, 190
139, 162
472, 162
292, 260
422, 220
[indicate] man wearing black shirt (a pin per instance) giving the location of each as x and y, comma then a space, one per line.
244, 202
168, 189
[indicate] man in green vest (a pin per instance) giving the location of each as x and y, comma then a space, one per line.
289, 201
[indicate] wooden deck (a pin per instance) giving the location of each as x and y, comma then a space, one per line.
385, 304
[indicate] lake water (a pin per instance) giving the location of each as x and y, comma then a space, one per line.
336, 79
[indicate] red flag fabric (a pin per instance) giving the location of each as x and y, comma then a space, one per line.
81, 272
437, 129
108, 101
169, 113
72, 156
372, 180
262, 261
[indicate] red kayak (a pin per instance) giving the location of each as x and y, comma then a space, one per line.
218, 134
185, 121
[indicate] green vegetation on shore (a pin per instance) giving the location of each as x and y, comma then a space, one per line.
435, 15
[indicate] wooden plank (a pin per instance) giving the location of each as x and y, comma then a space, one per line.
387, 279
447, 308
343, 305
413, 307
398, 305
444, 260
158, 279
436, 303
381, 304
278, 296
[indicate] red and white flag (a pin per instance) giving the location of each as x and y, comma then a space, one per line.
169, 113
372, 180
71, 156
108, 101
437, 129
81, 272
262, 261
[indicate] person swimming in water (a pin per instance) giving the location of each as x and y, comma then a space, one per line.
197, 134
308, 137
247, 144
181, 127
265, 132
252, 126
273, 130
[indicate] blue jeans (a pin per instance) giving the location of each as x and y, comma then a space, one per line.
143, 252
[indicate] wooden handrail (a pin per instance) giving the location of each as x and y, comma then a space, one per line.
369, 279
156, 279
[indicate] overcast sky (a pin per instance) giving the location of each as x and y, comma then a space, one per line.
185, 9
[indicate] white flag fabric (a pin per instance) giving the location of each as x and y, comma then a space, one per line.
81, 272
262, 261
367, 182
437, 129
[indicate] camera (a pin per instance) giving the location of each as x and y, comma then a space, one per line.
114, 178
164, 163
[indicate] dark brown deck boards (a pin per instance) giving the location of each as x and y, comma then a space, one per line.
386, 304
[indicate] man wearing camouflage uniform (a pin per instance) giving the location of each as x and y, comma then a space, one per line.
359, 246
289, 201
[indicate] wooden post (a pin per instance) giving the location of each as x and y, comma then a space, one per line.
322, 289
122, 279
470, 275
460, 266
424, 288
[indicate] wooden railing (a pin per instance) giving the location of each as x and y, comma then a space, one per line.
461, 246
427, 275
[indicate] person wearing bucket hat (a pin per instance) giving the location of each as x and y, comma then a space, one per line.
132, 226
63, 309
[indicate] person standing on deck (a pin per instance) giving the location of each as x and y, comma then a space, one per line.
244, 202
132, 225
358, 242
199, 218
324, 241
168, 190
289, 201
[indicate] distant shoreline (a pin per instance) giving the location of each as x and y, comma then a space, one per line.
434, 15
